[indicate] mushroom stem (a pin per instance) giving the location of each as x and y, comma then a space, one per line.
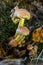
21, 40
21, 23
18, 38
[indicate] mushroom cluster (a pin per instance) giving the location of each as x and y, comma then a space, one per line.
19, 15
37, 35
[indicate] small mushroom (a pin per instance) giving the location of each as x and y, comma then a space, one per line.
20, 13
13, 43
29, 47
20, 31
23, 30
33, 52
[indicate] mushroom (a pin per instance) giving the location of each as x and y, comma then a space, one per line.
17, 41
23, 30
29, 47
13, 43
20, 13
33, 52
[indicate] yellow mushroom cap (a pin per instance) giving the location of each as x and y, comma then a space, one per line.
13, 43
29, 47
21, 13
23, 30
